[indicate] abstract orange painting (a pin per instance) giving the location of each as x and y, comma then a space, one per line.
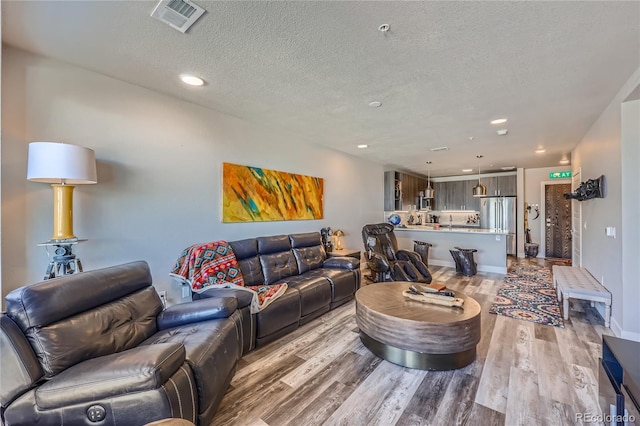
253, 194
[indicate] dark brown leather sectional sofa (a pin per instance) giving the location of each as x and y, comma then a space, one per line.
316, 283
97, 348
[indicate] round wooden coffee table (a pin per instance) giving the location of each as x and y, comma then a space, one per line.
415, 334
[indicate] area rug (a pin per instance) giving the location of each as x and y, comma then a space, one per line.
528, 294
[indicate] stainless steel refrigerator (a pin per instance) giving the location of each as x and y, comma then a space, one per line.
500, 213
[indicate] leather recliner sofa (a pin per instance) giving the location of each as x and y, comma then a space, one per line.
97, 348
316, 284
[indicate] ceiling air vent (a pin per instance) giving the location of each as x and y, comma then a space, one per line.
179, 14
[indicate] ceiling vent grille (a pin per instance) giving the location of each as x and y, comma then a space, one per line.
179, 14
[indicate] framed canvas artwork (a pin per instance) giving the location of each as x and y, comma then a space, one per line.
253, 194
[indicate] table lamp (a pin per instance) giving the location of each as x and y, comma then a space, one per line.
338, 234
63, 166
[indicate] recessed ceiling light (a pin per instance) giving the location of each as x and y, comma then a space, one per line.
499, 121
362, 146
375, 104
508, 168
191, 80
440, 148
565, 161
541, 151
384, 28
467, 170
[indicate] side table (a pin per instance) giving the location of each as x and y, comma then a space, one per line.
345, 252
64, 262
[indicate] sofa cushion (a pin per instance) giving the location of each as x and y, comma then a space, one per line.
277, 266
251, 271
281, 313
243, 298
212, 351
343, 282
273, 244
315, 292
307, 239
134, 370
113, 327
309, 257
244, 249
46, 302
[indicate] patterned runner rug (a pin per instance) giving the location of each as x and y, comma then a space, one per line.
528, 294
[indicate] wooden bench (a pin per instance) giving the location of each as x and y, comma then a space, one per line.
578, 283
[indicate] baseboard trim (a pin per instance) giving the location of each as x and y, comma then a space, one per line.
615, 327
481, 268
623, 334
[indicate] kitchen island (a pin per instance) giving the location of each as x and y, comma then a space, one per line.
490, 243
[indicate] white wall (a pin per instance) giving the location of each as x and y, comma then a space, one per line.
600, 153
630, 232
159, 171
532, 195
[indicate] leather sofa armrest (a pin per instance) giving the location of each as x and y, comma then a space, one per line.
127, 372
342, 262
20, 367
411, 256
197, 311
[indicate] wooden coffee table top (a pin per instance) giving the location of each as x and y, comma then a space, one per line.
384, 314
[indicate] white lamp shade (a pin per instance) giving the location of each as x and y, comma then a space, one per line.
53, 162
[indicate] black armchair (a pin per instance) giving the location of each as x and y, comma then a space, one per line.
387, 262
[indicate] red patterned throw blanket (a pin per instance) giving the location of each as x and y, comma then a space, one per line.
214, 265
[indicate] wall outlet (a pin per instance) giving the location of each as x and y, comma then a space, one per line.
163, 297
186, 292
610, 231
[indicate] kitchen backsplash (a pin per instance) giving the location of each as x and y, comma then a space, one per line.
458, 217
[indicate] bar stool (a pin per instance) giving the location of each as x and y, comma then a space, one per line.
465, 264
422, 248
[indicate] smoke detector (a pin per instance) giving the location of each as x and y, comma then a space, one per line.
502, 132
179, 14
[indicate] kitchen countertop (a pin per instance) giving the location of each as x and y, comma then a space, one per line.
443, 228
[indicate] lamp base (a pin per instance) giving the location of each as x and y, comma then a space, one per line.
63, 213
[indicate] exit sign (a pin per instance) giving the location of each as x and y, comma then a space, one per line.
560, 175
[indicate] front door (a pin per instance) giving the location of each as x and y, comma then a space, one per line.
557, 221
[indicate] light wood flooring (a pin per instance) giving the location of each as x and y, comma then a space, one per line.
321, 374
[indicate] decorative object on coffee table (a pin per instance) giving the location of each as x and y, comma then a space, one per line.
415, 334
435, 298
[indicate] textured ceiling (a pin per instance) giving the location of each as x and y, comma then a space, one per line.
442, 72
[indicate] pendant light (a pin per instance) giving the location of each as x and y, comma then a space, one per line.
479, 190
429, 192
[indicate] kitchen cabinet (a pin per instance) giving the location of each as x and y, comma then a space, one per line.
455, 195
392, 191
401, 190
507, 185
500, 185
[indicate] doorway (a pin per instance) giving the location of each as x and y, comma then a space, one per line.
557, 221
